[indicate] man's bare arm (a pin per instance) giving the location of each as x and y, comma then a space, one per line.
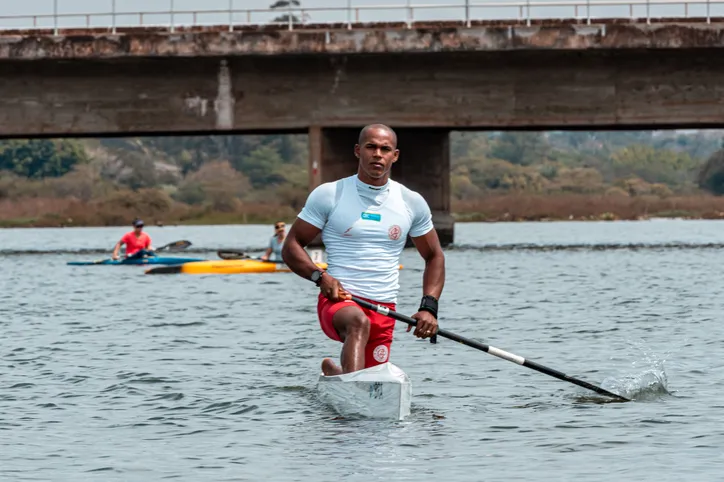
433, 279
293, 253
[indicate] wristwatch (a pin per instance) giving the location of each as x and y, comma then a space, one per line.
316, 277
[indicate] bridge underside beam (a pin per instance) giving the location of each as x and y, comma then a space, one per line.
546, 89
423, 166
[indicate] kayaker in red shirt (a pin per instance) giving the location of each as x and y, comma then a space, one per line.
136, 241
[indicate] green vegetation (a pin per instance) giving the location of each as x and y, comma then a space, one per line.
41, 158
633, 163
240, 179
285, 4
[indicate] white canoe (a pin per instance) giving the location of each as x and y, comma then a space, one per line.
382, 392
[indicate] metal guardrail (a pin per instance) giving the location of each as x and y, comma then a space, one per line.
467, 12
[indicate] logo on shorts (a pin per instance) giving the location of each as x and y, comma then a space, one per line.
395, 232
380, 353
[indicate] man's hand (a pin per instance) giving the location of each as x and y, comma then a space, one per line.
426, 324
332, 289
264, 257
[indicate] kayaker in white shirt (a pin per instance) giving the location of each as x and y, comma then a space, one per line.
364, 220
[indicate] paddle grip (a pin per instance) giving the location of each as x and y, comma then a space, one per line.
392, 314
429, 303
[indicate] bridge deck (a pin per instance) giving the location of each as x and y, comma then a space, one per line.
395, 37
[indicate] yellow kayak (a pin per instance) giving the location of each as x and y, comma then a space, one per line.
227, 266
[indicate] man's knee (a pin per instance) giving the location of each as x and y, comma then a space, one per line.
359, 324
352, 322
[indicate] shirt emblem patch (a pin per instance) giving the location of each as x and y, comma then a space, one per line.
395, 232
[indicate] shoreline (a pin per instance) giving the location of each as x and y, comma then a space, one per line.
493, 208
460, 218
481, 218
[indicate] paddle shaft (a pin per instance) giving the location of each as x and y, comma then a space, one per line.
491, 350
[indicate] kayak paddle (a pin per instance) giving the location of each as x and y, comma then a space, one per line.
383, 310
231, 254
175, 246
236, 254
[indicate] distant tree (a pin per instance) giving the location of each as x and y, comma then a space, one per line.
574, 139
496, 174
468, 145
39, 158
286, 4
578, 180
653, 165
521, 148
138, 171
262, 166
711, 175
83, 182
217, 184
461, 186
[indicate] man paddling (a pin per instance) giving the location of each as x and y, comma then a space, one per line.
137, 242
365, 220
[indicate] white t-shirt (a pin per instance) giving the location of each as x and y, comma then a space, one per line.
364, 229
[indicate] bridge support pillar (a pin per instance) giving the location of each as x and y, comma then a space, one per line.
424, 166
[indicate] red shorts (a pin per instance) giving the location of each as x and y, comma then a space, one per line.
382, 327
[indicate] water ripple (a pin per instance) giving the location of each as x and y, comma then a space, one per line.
112, 375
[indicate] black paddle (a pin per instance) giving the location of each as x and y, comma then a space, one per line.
175, 246
491, 349
236, 254
232, 254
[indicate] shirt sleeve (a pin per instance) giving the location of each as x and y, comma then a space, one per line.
319, 205
124, 239
148, 241
421, 214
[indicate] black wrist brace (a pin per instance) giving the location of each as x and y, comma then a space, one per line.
429, 303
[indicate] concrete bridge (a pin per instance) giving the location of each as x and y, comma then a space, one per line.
328, 80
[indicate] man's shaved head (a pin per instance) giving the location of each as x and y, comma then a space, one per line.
372, 127
377, 152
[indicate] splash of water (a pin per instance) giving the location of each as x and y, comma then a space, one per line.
646, 385
647, 380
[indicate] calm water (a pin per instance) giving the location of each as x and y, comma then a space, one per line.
108, 374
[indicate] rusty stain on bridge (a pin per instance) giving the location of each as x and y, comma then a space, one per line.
573, 34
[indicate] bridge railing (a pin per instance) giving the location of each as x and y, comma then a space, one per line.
55, 15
